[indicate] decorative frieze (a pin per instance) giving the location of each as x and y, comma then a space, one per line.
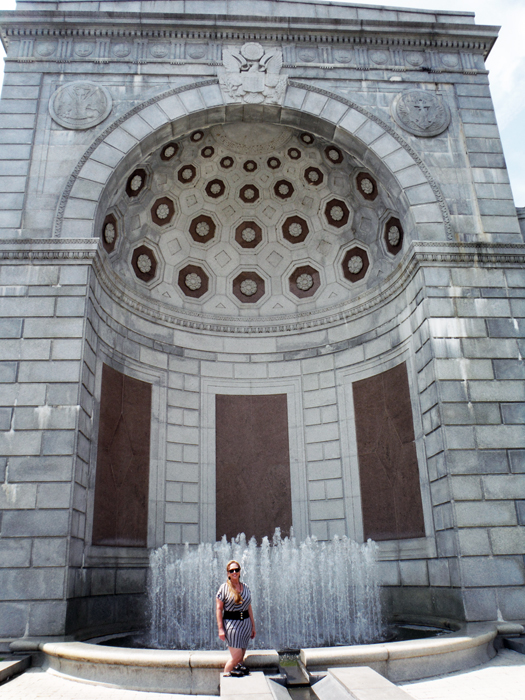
344, 52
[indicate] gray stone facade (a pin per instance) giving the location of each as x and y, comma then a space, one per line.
450, 304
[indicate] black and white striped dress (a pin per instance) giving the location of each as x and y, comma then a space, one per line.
238, 632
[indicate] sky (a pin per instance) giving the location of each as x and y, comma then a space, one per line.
506, 64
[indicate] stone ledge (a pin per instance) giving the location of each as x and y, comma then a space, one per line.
13, 666
420, 658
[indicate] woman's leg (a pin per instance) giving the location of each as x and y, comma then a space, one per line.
237, 655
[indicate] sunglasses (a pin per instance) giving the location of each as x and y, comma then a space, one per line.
234, 571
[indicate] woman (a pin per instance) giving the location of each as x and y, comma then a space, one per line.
235, 618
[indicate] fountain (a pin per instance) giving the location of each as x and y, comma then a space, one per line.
318, 601
304, 594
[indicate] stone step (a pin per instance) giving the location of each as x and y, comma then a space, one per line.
13, 665
357, 683
515, 643
253, 687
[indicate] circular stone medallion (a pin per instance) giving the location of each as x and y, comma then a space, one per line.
84, 48
421, 112
80, 105
46, 48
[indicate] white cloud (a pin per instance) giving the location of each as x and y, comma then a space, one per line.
506, 64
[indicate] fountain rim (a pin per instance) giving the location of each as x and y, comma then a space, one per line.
198, 672
468, 636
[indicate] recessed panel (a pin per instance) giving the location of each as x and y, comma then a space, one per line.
253, 487
120, 516
388, 469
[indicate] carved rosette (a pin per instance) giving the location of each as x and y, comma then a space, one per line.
337, 213
355, 264
136, 182
193, 281
248, 287
144, 263
295, 229
162, 211
304, 281
248, 234
110, 233
393, 235
202, 228
366, 186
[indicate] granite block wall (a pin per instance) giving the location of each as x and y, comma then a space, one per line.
450, 307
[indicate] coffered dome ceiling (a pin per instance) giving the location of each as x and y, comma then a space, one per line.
252, 221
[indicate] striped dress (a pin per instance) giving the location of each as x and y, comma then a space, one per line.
238, 632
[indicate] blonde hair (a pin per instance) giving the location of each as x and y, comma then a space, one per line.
237, 598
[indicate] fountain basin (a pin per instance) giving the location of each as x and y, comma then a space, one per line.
198, 672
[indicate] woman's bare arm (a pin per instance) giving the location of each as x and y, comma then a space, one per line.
220, 624
250, 611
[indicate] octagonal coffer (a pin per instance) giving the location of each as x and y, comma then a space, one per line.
136, 182
110, 233
227, 162
337, 213
249, 194
295, 229
307, 138
144, 263
169, 151
248, 287
355, 264
366, 186
393, 235
333, 154
187, 173
314, 176
304, 281
215, 188
248, 234
162, 211
283, 189
202, 228
193, 281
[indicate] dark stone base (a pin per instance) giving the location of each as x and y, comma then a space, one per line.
420, 603
95, 616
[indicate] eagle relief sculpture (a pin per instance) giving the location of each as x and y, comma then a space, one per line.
251, 74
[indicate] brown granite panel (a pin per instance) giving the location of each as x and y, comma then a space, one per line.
252, 465
388, 469
120, 515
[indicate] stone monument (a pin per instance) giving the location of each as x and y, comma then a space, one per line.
264, 254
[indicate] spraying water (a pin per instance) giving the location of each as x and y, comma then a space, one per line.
303, 594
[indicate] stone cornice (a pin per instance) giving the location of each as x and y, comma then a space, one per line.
41, 249
472, 37
419, 254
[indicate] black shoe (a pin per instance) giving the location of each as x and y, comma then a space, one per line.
236, 673
242, 669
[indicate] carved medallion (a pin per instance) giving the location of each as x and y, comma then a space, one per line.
45, 48
80, 105
159, 50
421, 112
84, 48
122, 49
